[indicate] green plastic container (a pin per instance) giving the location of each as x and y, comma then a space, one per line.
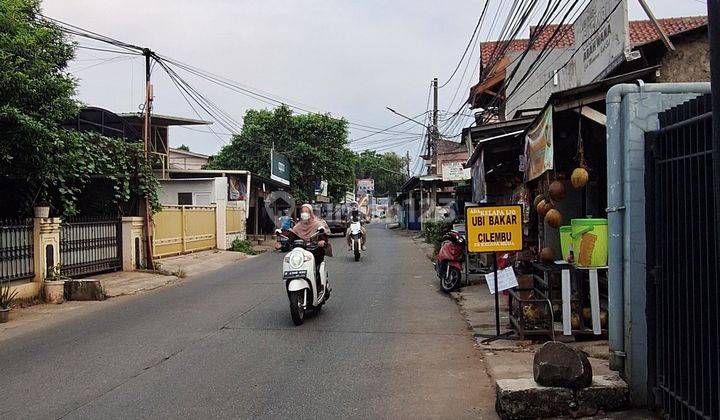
590, 239
565, 241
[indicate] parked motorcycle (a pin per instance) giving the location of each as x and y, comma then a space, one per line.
450, 259
299, 274
356, 238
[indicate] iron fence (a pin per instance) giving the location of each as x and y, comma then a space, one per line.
90, 245
682, 287
16, 250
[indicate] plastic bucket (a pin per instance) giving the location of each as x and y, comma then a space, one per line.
589, 239
565, 241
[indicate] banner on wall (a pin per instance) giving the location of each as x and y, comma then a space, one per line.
236, 189
478, 179
539, 147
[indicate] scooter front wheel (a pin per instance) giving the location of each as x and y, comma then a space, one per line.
356, 249
451, 280
296, 306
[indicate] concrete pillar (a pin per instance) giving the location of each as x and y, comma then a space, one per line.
133, 250
220, 194
46, 246
221, 224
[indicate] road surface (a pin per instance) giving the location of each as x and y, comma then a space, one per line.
387, 344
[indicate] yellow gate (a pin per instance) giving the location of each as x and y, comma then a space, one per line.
235, 219
183, 229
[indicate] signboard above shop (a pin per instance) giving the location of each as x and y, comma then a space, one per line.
602, 31
279, 168
321, 188
364, 186
454, 171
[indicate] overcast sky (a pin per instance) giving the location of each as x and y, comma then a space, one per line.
350, 58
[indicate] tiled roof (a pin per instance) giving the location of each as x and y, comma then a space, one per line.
564, 38
641, 32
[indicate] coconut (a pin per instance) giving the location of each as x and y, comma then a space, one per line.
543, 207
547, 254
557, 190
575, 321
553, 218
537, 200
579, 178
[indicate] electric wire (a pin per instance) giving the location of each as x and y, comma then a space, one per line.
474, 33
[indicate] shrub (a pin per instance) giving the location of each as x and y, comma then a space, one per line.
245, 246
434, 231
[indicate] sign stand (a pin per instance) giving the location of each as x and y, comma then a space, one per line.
498, 336
493, 229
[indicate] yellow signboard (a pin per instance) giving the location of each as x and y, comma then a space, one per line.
493, 228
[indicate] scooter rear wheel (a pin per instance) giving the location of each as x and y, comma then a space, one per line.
296, 306
451, 281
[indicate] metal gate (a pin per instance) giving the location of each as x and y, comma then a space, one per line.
683, 292
90, 245
16, 250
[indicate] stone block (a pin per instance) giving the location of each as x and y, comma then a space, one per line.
525, 399
557, 364
85, 289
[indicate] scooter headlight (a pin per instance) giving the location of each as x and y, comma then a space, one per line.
296, 260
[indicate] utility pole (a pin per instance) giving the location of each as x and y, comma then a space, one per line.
146, 140
435, 137
714, 38
407, 162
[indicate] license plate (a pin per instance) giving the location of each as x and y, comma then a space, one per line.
295, 274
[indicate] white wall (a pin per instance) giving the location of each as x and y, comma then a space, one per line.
205, 190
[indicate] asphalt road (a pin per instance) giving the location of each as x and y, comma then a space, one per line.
387, 344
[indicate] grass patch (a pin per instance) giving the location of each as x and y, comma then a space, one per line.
244, 246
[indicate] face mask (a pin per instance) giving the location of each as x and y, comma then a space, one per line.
305, 216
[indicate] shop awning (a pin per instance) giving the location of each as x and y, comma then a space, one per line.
484, 142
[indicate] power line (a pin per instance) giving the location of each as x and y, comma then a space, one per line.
105, 61
588, 39
462, 58
228, 83
85, 47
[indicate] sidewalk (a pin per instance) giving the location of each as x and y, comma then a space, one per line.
510, 359
176, 268
121, 284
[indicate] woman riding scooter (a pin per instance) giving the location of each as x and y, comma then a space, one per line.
306, 228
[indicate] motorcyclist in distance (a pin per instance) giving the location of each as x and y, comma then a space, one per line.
355, 217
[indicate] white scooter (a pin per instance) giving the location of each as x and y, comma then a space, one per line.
356, 238
299, 275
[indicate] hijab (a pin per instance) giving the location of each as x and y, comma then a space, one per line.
307, 228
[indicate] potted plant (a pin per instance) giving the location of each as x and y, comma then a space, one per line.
6, 299
42, 211
42, 206
54, 286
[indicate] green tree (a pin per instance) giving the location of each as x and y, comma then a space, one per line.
315, 145
386, 169
52, 165
183, 147
35, 95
